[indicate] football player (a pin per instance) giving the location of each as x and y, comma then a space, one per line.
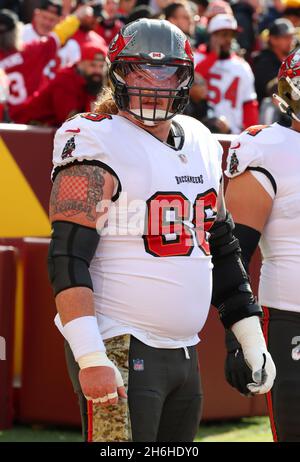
263, 197
135, 193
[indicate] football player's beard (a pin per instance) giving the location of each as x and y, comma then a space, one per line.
224, 54
93, 85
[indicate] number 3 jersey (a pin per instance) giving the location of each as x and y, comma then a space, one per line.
152, 269
272, 154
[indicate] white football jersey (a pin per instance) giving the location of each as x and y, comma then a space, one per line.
230, 85
275, 150
152, 270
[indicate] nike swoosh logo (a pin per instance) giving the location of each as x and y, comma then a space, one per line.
236, 147
76, 130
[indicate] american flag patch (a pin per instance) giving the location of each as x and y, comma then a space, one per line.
138, 364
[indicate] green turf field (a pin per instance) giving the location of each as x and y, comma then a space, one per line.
252, 429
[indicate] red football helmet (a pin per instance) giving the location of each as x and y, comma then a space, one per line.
151, 70
288, 97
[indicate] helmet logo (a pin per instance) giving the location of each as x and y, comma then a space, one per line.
156, 55
296, 59
117, 45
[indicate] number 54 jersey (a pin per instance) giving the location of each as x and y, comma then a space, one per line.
152, 270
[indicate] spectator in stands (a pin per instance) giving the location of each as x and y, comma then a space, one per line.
140, 11
108, 23
269, 111
24, 63
229, 78
246, 13
44, 20
73, 90
292, 11
86, 32
200, 108
206, 13
217, 7
267, 62
273, 9
180, 14
71, 52
13, 5
125, 8
4, 89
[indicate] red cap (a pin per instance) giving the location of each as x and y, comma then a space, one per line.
91, 51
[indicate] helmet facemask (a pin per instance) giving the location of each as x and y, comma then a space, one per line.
151, 92
288, 97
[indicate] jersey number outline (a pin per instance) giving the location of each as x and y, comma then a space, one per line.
230, 94
168, 230
18, 92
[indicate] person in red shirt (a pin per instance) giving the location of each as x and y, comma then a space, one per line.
45, 17
108, 24
229, 78
24, 63
73, 90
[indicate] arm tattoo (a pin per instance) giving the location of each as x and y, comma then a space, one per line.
77, 190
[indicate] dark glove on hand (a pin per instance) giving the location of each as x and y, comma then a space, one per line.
237, 373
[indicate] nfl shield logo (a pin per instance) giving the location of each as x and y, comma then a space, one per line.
138, 364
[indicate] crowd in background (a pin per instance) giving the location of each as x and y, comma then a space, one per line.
52, 55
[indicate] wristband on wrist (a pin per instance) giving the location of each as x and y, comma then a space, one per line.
83, 336
249, 333
98, 358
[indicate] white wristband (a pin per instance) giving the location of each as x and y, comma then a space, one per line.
99, 358
83, 336
249, 333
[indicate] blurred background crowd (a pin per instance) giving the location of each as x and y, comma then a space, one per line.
52, 55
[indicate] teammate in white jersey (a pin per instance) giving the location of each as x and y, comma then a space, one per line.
230, 79
132, 300
264, 199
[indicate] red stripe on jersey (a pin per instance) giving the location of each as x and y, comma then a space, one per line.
269, 394
90, 421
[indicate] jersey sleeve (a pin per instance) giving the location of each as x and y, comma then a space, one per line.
246, 153
82, 139
243, 154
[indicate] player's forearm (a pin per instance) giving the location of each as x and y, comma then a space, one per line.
80, 327
77, 314
74, 303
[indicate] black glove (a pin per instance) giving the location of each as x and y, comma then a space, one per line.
237, 373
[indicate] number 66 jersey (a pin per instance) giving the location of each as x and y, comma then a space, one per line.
152, 270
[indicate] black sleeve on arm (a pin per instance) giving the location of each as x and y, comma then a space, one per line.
232, 294
71, 250
248, 238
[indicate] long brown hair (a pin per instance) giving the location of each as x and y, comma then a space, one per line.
105, 103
